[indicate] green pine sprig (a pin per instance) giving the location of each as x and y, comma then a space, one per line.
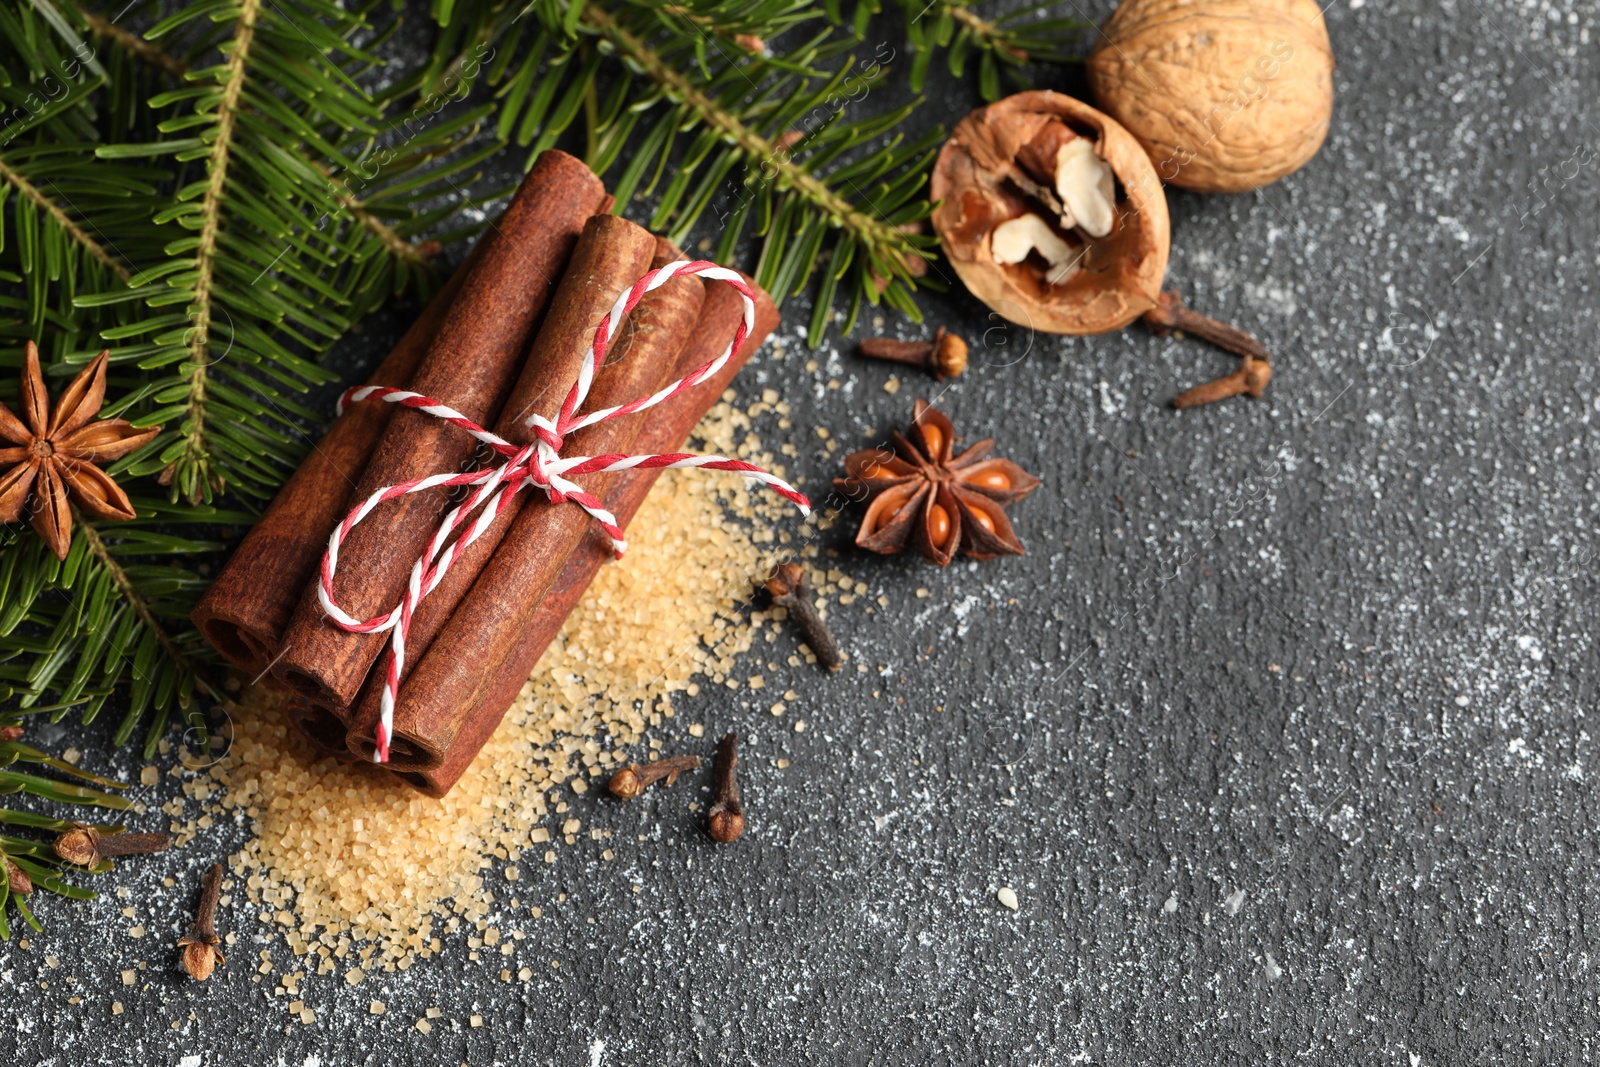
106, 241
1003, 46
246, 284
28, 865
686, 107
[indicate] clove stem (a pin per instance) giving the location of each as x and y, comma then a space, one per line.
1170, 313
725, 820
944, 357
86, 846
205, 919
1249, 380
891, 350
200, 955
787, 584
134, 844
635, 778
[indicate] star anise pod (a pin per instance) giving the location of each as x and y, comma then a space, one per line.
921, 493
55, 457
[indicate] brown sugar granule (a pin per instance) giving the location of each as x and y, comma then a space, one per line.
342, 854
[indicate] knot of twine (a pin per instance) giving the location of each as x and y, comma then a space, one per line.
538, 464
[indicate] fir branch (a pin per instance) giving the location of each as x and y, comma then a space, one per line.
418, 253
270, 251
272, 255
273, 265
106, 617
81, 229
27, 866
135, 45
175, 654
210, 216
64, 221
833, 199
1004, 45
986, 33
757, 149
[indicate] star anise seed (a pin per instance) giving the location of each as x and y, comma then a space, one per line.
55, 458
921, 492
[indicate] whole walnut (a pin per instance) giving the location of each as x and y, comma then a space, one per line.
1225, 95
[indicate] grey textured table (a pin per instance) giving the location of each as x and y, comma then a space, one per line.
1278, 731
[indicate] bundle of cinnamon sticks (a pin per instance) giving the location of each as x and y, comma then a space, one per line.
502, 341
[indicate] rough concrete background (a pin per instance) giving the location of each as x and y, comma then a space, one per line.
1278, 732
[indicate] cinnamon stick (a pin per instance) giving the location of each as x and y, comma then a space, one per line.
326, 733
500, 682
244, 612
470, 367
610, 255
641, 359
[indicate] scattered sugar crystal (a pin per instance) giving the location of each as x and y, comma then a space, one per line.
346, 836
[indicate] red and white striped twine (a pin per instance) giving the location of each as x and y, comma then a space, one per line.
539, 464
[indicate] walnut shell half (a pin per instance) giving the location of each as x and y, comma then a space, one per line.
988, 174
1225, 95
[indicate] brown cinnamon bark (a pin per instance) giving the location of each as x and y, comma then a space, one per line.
494, 685
470, 367
610, 255
324, 730
640, 360
244, 612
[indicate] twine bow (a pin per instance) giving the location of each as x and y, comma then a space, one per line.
538, 464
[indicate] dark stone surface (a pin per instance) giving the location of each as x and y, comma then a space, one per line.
1278, 732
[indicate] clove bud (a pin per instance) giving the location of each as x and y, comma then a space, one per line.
17, 878
725, 820
86, 847
199, 952
1255, 368
635, 778
787, 586
1249, 380
943, 357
